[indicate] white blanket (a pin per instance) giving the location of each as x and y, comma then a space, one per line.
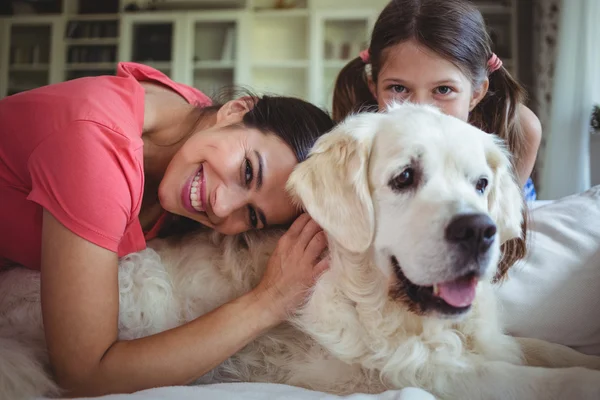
553, 294
259, 391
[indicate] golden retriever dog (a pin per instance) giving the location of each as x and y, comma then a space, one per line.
422, 214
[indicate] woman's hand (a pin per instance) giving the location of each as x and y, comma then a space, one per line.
80, 304
294, 266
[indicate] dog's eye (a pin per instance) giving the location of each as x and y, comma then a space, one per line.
403, 180
481, 185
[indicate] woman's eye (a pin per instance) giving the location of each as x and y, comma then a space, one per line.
248, 172
252, 217
443, 90
398, 88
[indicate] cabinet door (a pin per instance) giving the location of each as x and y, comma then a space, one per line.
280, 52
211, 55
339, 38
91, 45
149, 39
28, 55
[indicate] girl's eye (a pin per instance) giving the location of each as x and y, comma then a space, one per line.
248, 172
252, 217
398, 88
443, 90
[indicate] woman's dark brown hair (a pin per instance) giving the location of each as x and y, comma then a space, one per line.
297, 122
455, 30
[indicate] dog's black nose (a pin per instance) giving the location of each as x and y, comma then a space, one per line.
473, 232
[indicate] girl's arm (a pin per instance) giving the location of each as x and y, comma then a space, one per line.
80, 304
532, 130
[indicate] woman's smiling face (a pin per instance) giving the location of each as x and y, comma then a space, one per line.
229, 177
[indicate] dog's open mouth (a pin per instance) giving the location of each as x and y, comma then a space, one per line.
450, 298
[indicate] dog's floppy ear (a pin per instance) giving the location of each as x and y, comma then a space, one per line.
506, 205
332, 185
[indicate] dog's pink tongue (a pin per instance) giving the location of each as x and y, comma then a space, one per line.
458, 293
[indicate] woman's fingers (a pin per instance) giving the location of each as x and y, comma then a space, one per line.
321, 267
294, 231
316, 246
308, 233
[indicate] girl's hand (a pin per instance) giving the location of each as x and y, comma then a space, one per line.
294, 266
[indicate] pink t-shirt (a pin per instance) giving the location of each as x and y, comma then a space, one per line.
75, 149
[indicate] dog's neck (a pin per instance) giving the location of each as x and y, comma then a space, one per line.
352, 315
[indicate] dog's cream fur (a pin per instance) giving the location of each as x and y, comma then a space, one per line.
356, 332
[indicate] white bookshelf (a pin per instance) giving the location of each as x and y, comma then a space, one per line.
296, 52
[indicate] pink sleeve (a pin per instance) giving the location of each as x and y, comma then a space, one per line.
86, 177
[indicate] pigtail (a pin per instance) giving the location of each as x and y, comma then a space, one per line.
498, 112
351, 93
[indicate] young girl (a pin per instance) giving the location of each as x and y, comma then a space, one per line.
439, 52
92, 168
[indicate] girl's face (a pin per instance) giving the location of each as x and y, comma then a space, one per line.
230, 178
414, 73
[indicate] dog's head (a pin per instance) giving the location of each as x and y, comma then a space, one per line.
432, 196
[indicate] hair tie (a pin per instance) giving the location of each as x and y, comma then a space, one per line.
365, 56
494, 63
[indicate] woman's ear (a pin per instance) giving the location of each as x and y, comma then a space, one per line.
234, 110
479, 93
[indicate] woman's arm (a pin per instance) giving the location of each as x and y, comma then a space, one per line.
80, 305
532, 130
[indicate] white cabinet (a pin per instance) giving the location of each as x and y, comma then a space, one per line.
31, 53
152, 39
247, 44
339, 37
280, 52
91, 45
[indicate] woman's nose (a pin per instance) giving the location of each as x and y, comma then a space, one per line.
228, 200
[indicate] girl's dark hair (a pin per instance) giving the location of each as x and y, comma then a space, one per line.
298, 123
455, 30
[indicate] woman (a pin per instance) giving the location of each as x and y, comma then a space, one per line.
92, 168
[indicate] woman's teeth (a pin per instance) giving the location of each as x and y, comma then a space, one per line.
195, 192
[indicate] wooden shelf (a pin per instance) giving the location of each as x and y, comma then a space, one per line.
337, 64
297, 51
93, 17
276, 64
214, 65
92, 42
157, 64
494, 9
91, 66
29, 67
290, 13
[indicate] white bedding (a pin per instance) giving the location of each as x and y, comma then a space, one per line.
553, 295
259, 391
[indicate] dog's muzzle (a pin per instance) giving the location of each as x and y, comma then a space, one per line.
470, 237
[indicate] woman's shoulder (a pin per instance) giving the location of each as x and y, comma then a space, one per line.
146, 73
112, 101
